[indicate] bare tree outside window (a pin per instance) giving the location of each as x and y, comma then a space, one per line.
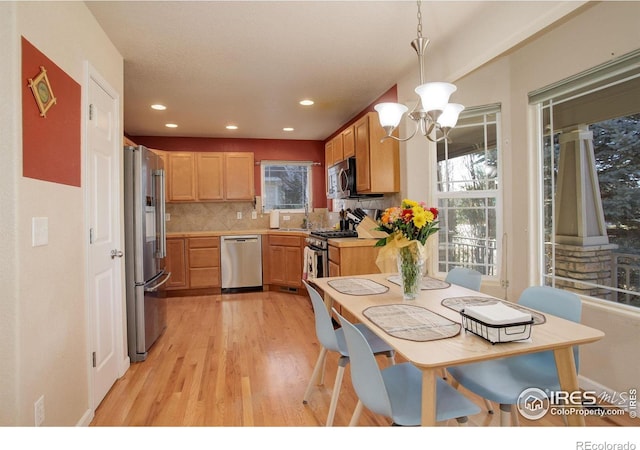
286, 186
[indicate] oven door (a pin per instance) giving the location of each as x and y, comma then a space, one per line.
316, 262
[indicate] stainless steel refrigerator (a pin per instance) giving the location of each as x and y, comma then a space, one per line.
145, 249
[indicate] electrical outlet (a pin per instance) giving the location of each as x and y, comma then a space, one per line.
285, 218
38, 407
254, 214
239, 215
167, 217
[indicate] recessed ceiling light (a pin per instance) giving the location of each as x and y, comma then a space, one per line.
158, 107
306, 102
287, 129
231, 127
171, 125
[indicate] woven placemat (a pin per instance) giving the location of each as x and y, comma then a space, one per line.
358, 286
411, 322
427, 283
459, 303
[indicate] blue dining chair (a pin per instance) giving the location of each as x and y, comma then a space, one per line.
396, 391
503, 380
469, 278
333, 340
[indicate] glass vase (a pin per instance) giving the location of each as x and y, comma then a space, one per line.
411, 269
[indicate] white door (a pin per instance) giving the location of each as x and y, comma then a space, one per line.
104, 148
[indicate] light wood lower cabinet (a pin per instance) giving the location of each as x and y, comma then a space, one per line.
204, 262
360, 260
282, 260
194, 263
176, 263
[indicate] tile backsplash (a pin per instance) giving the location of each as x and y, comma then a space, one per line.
189, 217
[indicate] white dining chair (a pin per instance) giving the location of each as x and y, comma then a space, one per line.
503, 380
396, 391
333, 340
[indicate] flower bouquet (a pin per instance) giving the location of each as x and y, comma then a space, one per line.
408, 227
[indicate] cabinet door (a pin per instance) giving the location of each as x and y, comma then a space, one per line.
363, 178
239, 176
337, 153
278, 268
293, 267
176, 263
210, 182
348, 142
182, 185
384, 159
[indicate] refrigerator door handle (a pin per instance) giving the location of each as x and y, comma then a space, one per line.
161, 194
155, 287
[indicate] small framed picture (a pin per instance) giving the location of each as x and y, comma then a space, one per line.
42, 91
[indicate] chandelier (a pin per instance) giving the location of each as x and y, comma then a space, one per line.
432, 112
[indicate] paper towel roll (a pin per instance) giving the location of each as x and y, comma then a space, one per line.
274, 219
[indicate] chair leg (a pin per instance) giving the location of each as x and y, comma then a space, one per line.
515, 418
391, 357
314, 375
342, 362
356, 414
505, 415
489, 406
462, 421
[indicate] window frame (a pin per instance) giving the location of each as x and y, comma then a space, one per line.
309, 187
496, 194
608, 74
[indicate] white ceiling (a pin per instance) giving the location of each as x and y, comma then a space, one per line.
249, 62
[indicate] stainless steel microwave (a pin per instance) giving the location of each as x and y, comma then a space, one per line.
341, 181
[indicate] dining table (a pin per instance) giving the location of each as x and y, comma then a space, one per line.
357, 296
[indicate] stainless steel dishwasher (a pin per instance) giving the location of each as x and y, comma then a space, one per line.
241, 262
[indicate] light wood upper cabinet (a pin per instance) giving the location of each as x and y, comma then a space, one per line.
238, 171
338, 149
210, 176
377, 163
181, 176
348, 142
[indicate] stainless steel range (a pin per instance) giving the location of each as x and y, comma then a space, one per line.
317, 251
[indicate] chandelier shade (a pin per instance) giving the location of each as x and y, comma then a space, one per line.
390, 114
432, 114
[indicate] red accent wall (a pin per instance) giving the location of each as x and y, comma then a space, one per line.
50, 145
267, 149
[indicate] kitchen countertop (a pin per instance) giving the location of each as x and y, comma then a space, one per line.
336, 242
188, 234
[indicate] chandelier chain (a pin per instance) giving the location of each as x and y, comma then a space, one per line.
419, 2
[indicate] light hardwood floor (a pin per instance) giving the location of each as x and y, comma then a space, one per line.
244, 360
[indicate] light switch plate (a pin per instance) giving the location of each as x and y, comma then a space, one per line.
39, 231
254, 214
239, 215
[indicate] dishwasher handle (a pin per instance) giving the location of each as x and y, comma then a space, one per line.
240, 239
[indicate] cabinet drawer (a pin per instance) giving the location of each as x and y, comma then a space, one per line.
204, 257
201, 278
334, 254
286, 241
201, 242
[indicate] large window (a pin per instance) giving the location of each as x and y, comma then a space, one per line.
468, 193
590, 136
286, 186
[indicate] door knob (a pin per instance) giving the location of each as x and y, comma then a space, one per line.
116, 253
